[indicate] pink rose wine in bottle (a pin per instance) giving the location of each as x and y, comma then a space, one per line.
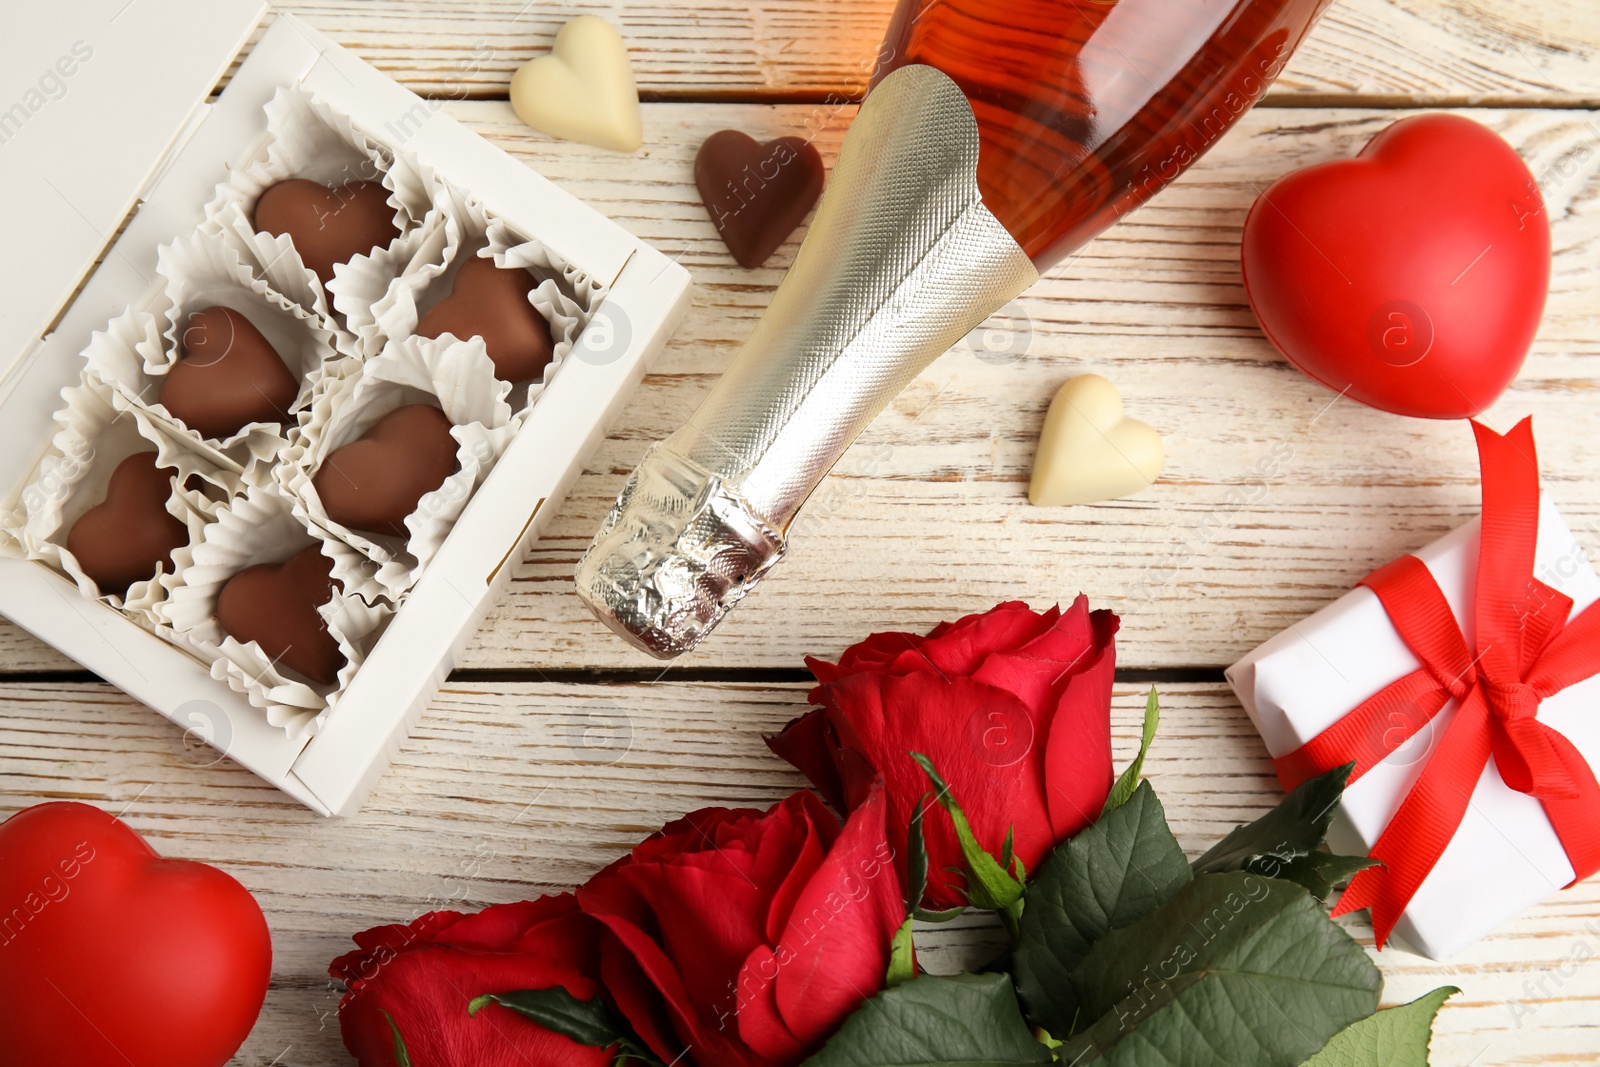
1000, 136
1085, 108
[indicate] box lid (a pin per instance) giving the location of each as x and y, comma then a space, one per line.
92, 96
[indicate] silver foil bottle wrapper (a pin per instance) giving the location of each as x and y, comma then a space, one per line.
902, 260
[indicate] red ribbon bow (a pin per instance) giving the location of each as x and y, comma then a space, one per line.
1527, 649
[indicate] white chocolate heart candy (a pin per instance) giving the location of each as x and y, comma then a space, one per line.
1089, 450
583, 90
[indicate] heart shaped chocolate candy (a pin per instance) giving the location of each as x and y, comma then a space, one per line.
492, 303
756, 193
584, 89
327, 225
275, 605
123, 539
1089, 450
374, 482
227, 376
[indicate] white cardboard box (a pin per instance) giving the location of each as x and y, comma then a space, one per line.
1505, 857
130, 127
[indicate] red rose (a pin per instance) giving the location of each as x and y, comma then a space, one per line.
423, 976
1013, 707
745, 937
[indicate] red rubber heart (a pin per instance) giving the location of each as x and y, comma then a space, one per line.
110, 954
1413, 276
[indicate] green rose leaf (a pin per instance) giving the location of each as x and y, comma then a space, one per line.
989, 886
585, 1021
1277, 844
402, 1058
1297, 825
1318, 872
917, 856
969, 1020
1394, 1037
902, 957
1112, 874
1130, 776
917, 869
1236, 970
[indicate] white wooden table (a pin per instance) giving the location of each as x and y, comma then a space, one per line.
555, 747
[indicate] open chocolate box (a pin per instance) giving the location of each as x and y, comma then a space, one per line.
133, 197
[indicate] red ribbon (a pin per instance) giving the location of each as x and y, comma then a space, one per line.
1527, 649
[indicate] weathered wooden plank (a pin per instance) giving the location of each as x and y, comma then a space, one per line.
1273, 501
508, 791
1399, 51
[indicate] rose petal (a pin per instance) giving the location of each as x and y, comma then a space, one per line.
761, 1026
962, 648
611, 898
805, 744
1077, 764
998, 786
426, 993
805, 865
835, 947
638, 999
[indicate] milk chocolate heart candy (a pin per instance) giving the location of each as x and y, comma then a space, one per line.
327, 225
227, 376
374, 482
122, 539
275, 605
757, 193
583, 90
492, 303
1089, 450
1411, 278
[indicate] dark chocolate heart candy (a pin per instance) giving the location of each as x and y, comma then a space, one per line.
227, 376
492, 303
374, 482
122, 539
275, 605
327, 225
757, 193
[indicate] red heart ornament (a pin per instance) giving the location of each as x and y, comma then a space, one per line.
1412, 276
110, 954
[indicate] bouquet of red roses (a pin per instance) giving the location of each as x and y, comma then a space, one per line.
968, 768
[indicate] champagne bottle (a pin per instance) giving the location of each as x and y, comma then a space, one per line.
999, 136
1086, 108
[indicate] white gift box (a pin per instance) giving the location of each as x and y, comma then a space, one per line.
112, 149
1505, 857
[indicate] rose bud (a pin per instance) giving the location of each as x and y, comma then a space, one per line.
1012, 706
748, 937
423, 976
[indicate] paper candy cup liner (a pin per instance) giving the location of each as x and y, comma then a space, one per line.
564, 296
134, 354
360, 286
260, 527
307, 138
345, 408
96, 430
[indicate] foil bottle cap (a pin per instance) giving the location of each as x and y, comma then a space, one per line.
901, 261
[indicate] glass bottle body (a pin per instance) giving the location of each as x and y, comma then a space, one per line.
1086, 108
